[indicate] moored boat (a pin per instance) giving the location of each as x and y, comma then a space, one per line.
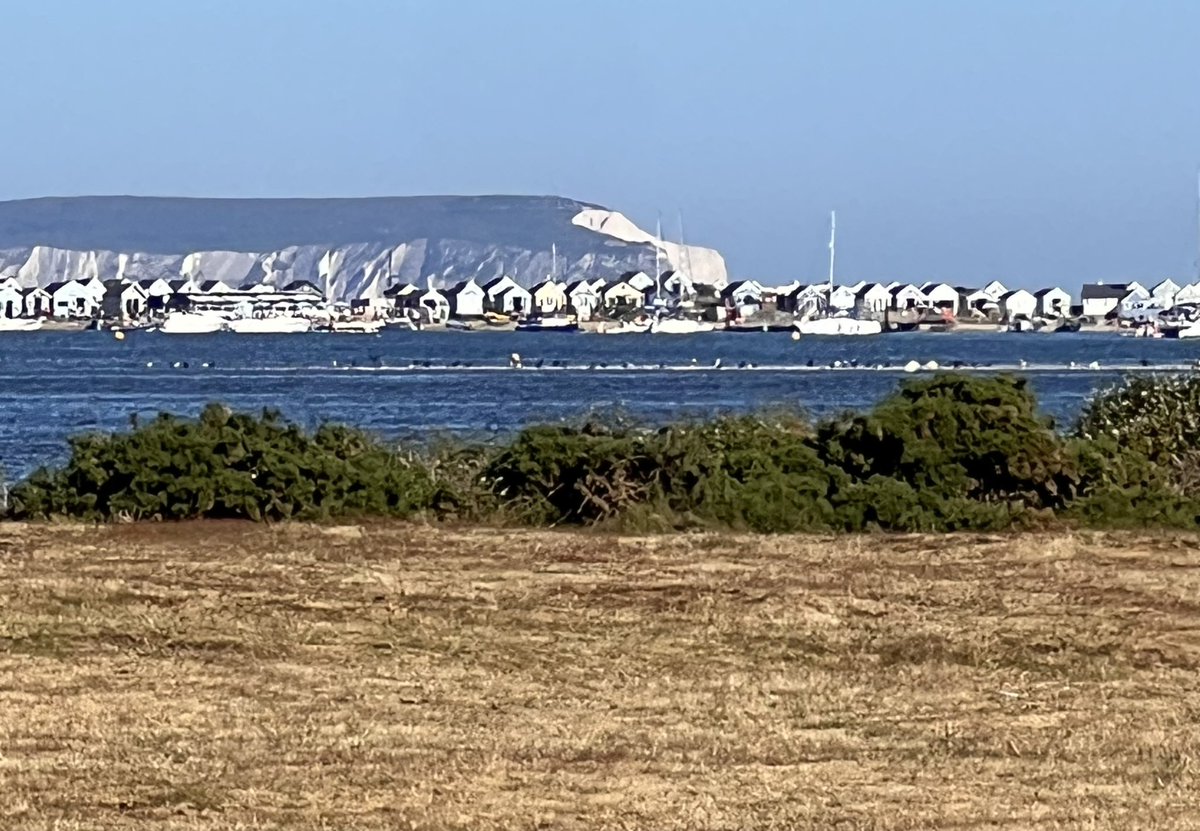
627, 327
20, 324
832, 324
679, 326
548, 323
356, 327
761, 327
191, 323
283, 324
839, 326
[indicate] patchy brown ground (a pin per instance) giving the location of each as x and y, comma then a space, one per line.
218, 676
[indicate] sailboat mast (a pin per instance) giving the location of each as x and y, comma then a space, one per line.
685, 255
657, 259
553, 262
832, 248
1198, 224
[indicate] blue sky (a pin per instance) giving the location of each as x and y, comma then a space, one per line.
1031, 140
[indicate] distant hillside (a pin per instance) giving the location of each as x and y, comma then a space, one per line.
351, 247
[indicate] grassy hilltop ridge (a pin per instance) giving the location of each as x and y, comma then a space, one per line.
178, 225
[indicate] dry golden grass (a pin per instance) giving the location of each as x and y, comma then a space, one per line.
220, 676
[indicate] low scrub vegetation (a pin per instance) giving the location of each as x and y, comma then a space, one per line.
947, 453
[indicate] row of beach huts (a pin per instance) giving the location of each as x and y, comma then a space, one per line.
92, 298
673, 291
590, 299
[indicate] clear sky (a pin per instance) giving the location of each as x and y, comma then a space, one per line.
1031, 140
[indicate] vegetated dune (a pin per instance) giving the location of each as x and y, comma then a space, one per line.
225, 676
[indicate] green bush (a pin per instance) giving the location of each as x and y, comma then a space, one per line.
554, 474
1138, 450
948, 453
754, 473
742, 472
224, 465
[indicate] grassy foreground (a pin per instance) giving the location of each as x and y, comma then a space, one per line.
222, 676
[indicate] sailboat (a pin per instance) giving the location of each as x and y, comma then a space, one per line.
829, 324
555, 321
662, 323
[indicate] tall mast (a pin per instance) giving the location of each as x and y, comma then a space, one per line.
1198, 224
658, 259
832, 248
685, 255
553, 262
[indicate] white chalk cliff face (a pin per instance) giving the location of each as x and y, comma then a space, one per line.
349, 247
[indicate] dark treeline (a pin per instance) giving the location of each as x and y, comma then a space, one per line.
948, 453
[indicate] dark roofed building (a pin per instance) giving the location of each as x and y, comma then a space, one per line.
303, 287
1102, 299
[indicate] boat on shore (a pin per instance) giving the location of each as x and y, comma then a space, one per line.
356, 327
548, 323
839, 326
637, 326
679, 326
497, 319
283, 324
191, 323
20, 324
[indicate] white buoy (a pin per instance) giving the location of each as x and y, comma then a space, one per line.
119, 335
795, 336
912, 366
930, 366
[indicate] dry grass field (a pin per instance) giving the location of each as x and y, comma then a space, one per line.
229, 676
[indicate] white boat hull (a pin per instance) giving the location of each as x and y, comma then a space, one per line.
18, 324
839, 326
1192, 331
187, 323
360, 327
627, 329
672, 326
270, 325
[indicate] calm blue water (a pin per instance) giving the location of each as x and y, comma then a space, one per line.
54, 384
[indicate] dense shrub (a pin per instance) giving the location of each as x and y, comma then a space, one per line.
225, 465
1139, 450
755, 473
554, 474
947, 453
741, 472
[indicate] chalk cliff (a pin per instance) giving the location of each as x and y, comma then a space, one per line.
350, 247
